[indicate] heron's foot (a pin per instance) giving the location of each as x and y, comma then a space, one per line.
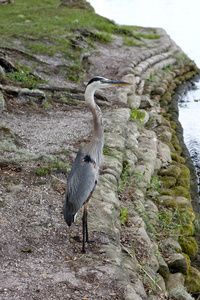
89, 241
84, 250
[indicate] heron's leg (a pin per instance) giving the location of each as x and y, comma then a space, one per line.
85, 233
85, 225
86, 230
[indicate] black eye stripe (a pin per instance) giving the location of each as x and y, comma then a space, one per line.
95, 79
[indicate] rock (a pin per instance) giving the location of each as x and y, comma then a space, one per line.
168, 201
160, 286
134, 101
159, 91
178, 263
146, 116
122, 94
138, 221
139, 289
171, 243
115, 141
125, 70
112, 165
146, 101
163, 269
189, 246
167, 181
181, 191
2, 73
152, 211
183, 202
2, 102
171, 170
166, 136
32, 93
175, 280
131, 79
192, 281
108, 179
164, 153
116, 121
131, 142
130, 294
180, 292
7, 65
154, 119
131, 159
184, 177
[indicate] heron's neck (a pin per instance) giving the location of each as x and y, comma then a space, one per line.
96, 143
97, 115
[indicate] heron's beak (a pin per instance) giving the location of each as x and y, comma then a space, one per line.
115, 82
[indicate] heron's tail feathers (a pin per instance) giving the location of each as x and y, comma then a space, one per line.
69, 218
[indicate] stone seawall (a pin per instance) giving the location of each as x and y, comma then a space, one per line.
141, 213
144, 177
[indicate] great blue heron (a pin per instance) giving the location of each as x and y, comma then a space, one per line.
83, 176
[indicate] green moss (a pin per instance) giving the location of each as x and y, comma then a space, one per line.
182, 160
166, 97
168, 181
184, 177
178, 148
167, 116
192, 282
181, 191
171, 147
163, 103
175, 141
172, 171
187, 229
189, 75
170, 202
173, 124
167, 192
189, 213
189, 246
176, 157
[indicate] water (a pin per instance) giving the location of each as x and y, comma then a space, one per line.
180, 19
189, 113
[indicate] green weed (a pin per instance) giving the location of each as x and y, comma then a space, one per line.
110, 151
137, 115
123, 216
155, 184
124, 177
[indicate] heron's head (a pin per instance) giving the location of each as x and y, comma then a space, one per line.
101, 82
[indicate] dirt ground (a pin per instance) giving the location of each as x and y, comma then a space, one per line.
40, 256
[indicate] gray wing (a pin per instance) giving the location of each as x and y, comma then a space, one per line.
81, 182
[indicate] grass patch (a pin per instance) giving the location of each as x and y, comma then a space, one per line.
45, 170
129, 41
25, 77
46, 27
149, 36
